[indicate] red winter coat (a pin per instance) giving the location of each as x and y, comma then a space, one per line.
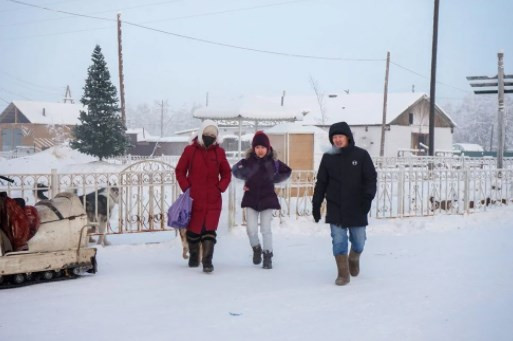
207, 173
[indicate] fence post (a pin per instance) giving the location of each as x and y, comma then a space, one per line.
151, 208
231, 206
466, 190
54, 184
400, 192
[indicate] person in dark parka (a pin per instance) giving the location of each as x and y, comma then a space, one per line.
347, 179
204, 169
260, 170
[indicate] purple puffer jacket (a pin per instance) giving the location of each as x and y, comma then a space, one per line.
260, 175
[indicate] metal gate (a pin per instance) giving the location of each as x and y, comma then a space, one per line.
147, 190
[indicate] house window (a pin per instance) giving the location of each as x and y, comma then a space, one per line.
11, 137
410, 118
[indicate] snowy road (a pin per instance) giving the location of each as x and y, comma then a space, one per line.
437, 278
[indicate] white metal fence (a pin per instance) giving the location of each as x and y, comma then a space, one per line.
142, 193
440, 162
407, 192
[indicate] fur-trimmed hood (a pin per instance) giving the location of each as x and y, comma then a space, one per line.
271, 153
341, 128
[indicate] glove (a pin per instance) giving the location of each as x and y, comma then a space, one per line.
366, 206
316, 212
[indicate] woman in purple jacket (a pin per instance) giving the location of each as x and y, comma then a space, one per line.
260, 170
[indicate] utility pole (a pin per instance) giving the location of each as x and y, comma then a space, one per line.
67, 95
432, 93
121, 78
384, 121
495, 85
162, 119
162, 105
491, 139
206, 100
500, 128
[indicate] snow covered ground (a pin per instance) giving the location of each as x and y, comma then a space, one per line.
437, 278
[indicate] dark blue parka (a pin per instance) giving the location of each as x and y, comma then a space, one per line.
260, 175
347, 179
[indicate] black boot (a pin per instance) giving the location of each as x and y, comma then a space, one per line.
257, 254
268, 262
207, 242
193, 240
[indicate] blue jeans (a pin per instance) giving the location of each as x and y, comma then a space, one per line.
339, 239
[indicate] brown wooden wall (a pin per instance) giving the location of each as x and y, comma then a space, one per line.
40, 136
296, 150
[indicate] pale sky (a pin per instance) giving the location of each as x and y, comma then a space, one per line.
43, 51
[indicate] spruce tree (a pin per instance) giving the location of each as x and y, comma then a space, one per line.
102, 131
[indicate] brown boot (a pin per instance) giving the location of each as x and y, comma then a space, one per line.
354, 263
343, 270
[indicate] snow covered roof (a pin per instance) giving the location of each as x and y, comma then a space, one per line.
50, 113
468, 147
141, 133
168, 139
359, 108
144, 135
292, 128
354, 108
251, 108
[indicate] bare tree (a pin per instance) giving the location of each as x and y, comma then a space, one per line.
476, 118
320, 99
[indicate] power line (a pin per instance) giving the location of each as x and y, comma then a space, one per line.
286, 54
12, 93
421, 75
51, 3
206, 41
59, 11
216, 43
96, 12
59, 33
161, 20
30, 83
226, 11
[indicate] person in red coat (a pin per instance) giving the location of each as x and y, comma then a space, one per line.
204, 170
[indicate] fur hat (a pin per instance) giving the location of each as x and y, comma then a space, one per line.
261, 139
210, 131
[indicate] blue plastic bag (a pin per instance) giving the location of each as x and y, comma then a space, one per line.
179, 214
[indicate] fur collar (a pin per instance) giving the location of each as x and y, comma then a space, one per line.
271, 154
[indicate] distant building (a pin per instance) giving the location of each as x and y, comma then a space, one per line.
468, 149
407, 121
406, 128
144, 144
36, 125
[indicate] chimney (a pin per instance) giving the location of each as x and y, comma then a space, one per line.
44, 112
